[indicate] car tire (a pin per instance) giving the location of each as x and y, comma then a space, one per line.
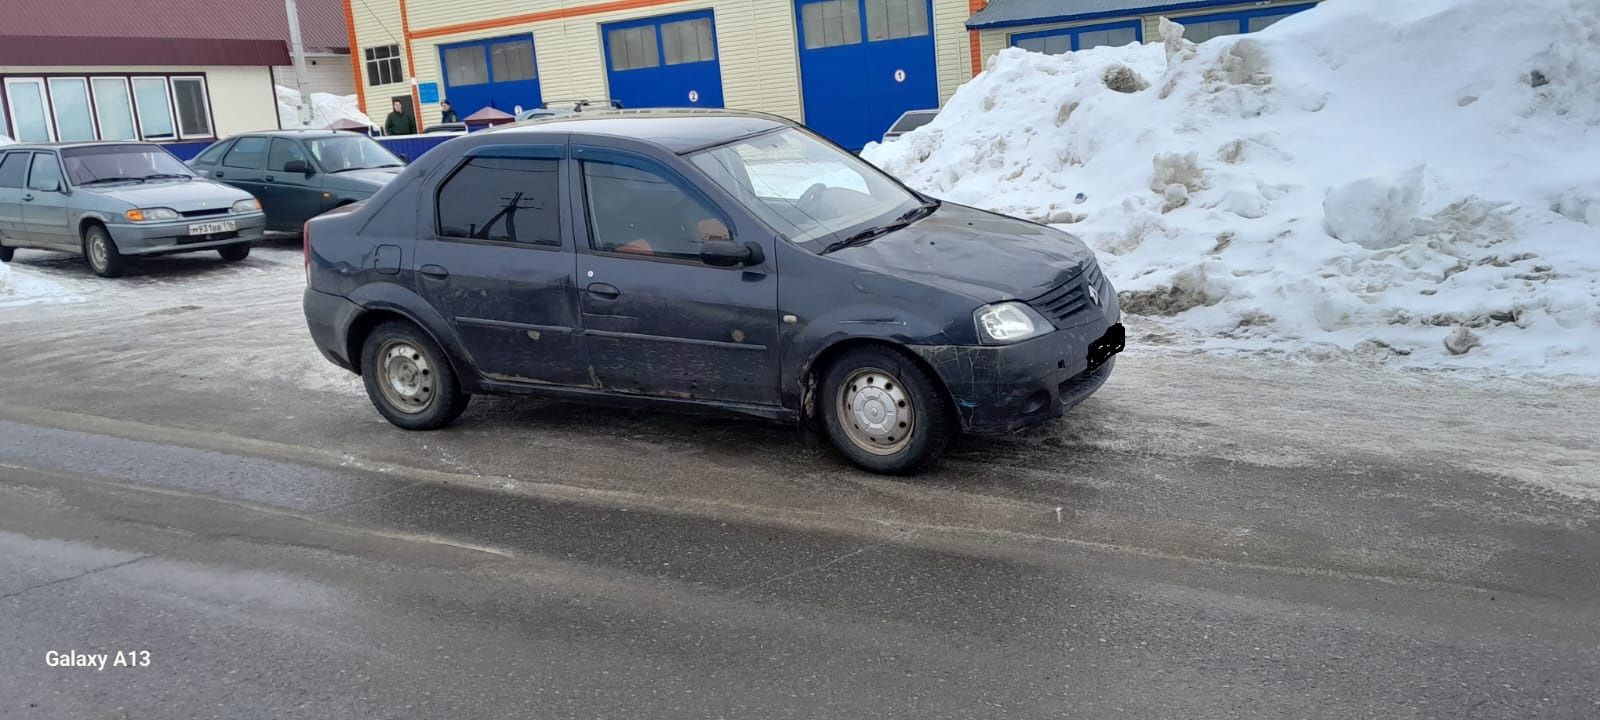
234, 253
409, 379
884, 411
100, 251
6, 253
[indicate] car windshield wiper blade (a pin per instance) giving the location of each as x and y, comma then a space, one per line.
159, 176
97, 181
872, 233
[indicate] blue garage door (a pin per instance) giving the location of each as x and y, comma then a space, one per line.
1200, 28
863, 63
665, 61
1056, 42
498, 73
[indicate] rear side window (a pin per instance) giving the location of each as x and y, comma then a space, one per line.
502, 199
13, 169
46, 173
212, 154
246, 153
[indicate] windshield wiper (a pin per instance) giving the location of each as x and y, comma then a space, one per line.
872, 233
159, 176
97, 181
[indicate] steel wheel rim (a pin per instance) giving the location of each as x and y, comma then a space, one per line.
405, 377
875, 411
97, 251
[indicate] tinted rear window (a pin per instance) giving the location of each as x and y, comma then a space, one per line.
13, 169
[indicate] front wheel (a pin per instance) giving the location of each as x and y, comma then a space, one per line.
409, 379
884, 411
101, 252
234, 253
6, 253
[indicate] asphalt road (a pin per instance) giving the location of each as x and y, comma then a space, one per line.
181, 474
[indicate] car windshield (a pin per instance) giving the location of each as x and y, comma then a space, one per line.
351, 152
121, 163
803, 187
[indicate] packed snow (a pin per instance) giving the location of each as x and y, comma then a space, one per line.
21, 287
1414, 182
326, 109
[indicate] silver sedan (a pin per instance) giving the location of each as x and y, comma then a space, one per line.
110, 201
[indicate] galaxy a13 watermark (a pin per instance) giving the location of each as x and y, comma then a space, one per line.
97, 661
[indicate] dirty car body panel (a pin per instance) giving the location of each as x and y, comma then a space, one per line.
573, 309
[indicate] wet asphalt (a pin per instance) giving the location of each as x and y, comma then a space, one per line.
181, 475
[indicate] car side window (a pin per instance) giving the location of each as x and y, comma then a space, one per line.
45, 175
282, 152
246, 153
635, 211
502, 199
212, 154
13, 169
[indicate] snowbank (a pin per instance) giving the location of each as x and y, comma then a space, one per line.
1372, 176
326, 108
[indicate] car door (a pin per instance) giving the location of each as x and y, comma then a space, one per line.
492, 257
44, 203
13, 178
657, 320
241, 165
289, 198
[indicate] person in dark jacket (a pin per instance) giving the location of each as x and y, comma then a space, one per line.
447, 114
399, 123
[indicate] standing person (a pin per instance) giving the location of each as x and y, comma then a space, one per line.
447, 114
398, 122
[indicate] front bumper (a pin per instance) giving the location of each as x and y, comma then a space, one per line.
999, 389
160, 238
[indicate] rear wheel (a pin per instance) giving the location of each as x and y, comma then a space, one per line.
101, 252
234, 253
884, 411
409, 379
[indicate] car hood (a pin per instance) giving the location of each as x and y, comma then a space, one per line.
369, 180
180, 195
983, 255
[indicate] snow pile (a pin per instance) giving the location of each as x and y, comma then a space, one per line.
326, 108
19, 287
1418, 182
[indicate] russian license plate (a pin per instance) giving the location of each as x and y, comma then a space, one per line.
212, 228
1109, 344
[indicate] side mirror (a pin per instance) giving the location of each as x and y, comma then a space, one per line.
405, 158
298, 166
726, 253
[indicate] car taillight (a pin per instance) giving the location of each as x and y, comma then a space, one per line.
305, 249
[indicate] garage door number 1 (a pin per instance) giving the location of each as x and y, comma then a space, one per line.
900, 76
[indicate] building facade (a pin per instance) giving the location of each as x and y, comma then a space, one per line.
74, 70
847, 68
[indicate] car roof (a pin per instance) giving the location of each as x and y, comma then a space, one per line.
72, 144
678, 130
300, 133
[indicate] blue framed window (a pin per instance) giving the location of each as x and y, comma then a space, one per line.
662, 40
1200, 28
1063, 40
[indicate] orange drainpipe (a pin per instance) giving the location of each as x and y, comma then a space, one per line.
355, 56
974, 44
411, 63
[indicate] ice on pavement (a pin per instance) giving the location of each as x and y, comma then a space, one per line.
1383, 178
26, 288
326, 109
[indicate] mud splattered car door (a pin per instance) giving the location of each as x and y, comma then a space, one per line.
658, 319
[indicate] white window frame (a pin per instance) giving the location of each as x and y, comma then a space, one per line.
88, 100
44, 96
127, 88
205, 105
172, 106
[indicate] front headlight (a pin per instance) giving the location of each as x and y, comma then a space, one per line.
151, 214
1008, 322
246, 206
